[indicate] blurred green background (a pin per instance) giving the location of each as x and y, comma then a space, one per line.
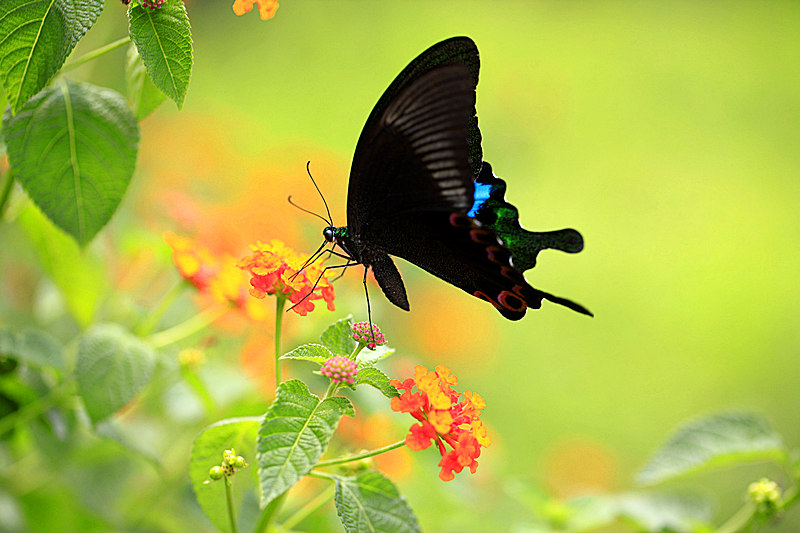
666, 132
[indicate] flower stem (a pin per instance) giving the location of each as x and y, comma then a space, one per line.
280, 301
189, 327
356, 351
268, 513
95, 53
162, 307
201, 390
5, 192
308, 509
229, 499
739, 520
358, 457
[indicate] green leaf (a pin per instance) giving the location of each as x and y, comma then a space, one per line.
655, 512
714, 440
112, 366
371, 502
309, 352
37, 348
369, 357
73, 148
338, 337
38, 35
79, 276
239, 434
375, 378
294, 434
163, 38
143, 96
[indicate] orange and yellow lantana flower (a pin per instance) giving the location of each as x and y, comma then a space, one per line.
276, 269
443, 418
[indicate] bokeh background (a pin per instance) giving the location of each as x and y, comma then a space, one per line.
667, 133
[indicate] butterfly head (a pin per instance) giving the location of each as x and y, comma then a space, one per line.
330, 234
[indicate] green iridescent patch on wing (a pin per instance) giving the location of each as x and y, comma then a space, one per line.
492, 210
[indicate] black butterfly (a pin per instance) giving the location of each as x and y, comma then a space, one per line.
420, 190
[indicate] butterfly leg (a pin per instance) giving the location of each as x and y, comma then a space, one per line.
369, 311
317, 282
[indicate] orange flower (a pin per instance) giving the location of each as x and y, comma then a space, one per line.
266, 8
213, 275
443, 419
276, 269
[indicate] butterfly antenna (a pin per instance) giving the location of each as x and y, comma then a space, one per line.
303, 209
308, 170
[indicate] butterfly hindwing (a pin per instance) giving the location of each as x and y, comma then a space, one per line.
492, 210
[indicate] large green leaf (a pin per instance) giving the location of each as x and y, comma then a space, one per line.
370, 502
163, 38
143, 96
718, 439
239, 434
73, 148
294, 434
112, 366
37, 348
657, 513
37, 36
79, 275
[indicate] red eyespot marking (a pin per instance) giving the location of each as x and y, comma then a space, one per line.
482, 296
482, 236
512, 274
498, 255
460, 220
511, 301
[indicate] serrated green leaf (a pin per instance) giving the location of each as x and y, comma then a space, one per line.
294, 434
370, 357
79, 276
73, 148
370, 502
660, 512
717, 439
143, 96
38, 35
112, 366
375, 378
33, 347
309, 352
239, 434
338, 337
163, 38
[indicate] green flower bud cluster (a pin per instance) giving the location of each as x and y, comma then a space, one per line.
231, 463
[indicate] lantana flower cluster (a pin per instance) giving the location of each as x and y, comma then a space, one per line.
372, 338
212, 274
443, 418
340, 369
275, 268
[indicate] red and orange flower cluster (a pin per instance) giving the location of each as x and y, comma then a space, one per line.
276, 269
443, 418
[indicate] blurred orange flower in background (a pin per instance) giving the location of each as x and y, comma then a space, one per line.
266, 8
213, 275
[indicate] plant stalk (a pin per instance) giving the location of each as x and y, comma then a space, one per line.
95, 54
